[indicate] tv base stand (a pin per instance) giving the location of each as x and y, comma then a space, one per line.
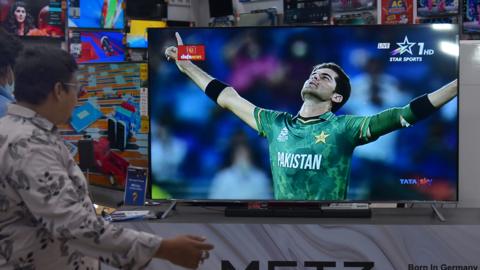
299, 210
437, 212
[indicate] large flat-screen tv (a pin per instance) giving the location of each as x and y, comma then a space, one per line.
199, 151
471, 16
44, 18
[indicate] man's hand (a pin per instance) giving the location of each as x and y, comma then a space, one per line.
172, 54
187, 250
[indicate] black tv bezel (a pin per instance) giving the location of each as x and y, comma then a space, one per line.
229, 202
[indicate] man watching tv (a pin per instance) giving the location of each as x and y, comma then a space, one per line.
48, 220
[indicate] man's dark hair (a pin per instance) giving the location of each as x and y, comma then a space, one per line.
38, 70
343, 83
10, 47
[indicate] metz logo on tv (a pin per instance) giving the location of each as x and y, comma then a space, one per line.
191, 52
416, 181
407, 51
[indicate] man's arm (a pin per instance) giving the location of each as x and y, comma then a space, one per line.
55, 192
444, 94
228, 98
396, 118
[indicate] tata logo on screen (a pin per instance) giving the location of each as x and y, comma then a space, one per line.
416, 181
314, 265
407, 51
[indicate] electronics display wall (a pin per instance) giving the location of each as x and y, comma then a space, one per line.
108, 130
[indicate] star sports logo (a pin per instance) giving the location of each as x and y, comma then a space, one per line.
408, 51
405, 46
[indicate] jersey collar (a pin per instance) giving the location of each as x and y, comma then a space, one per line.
315, 119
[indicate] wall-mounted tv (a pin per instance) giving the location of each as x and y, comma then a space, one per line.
345, 6
428, 8
199, 151
96, 46
147, 9
44, 18
96, 14
137, 33
471, 16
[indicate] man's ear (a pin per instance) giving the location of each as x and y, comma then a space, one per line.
337, 98
11, 76
58, 91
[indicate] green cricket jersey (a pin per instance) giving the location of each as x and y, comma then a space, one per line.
310, 159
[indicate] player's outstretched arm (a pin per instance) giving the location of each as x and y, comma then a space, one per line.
418, 109
444, 94
227, 98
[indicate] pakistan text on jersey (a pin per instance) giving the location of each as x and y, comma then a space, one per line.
299, 161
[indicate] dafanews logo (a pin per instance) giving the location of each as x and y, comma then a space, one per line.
407, 51
191, 52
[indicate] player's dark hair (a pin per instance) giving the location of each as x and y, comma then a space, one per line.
38, 70
343, 83
10, 47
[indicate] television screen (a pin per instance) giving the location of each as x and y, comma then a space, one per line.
136, 55
110, 112
355, 18
96, 46
344, 6
426, 8
137, 35
200, 151
471, 16
96, 14
179, 23
147, 9
220, 8
311, 11
33, 17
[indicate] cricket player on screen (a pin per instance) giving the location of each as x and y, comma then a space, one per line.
310, 153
